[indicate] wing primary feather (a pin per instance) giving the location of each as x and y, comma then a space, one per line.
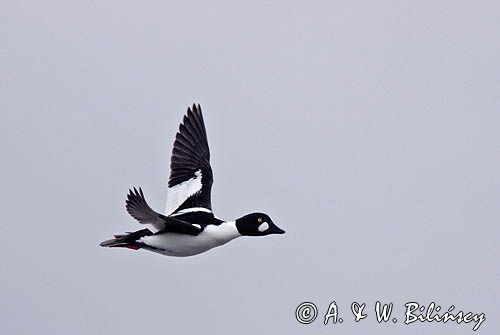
190, 154
139, 209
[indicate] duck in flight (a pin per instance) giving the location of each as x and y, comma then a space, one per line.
188, 227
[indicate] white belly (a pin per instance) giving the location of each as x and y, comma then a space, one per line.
181, 245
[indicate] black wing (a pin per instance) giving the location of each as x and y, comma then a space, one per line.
139, 209
182, 227
191, 179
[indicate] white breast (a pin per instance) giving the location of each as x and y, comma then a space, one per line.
173, 244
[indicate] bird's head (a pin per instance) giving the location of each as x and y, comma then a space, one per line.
257, 224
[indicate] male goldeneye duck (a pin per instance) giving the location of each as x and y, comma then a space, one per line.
188, 227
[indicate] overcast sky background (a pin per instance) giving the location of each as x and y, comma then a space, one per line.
369, 131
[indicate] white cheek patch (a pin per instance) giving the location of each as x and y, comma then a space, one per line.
263, 227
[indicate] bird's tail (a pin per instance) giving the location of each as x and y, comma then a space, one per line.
127, 240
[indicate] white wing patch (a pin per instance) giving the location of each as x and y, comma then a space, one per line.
177, 194
192, 210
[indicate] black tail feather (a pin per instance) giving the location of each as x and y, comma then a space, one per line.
127, 240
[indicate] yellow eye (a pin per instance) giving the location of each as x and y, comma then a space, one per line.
259, 220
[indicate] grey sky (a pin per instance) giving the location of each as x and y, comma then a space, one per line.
369, 131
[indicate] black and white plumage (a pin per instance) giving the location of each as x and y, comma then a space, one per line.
188, 226
190, 171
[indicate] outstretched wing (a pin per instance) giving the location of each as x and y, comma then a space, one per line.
139, 209
190, 181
